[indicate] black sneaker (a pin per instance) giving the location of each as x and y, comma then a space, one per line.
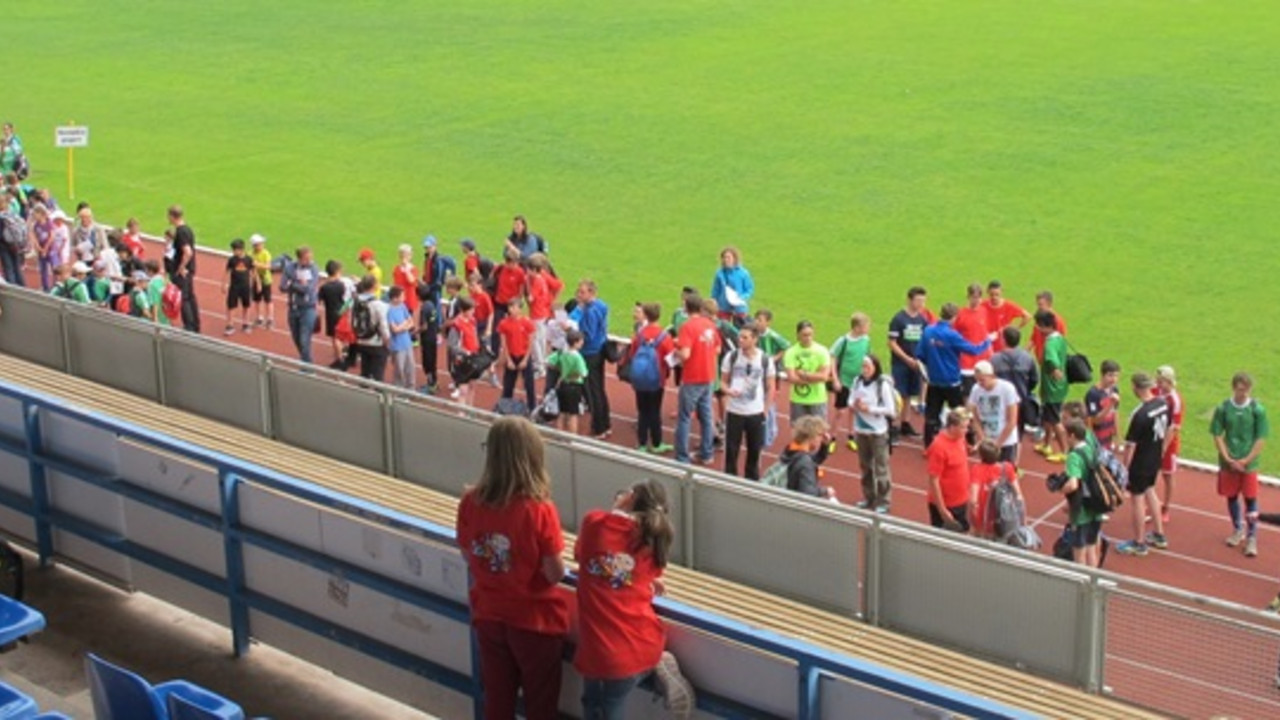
907, 431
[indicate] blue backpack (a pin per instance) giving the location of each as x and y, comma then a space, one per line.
646, 373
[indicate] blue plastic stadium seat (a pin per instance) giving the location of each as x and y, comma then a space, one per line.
122, 695
183, 708
52, 716
17, 620
15, 705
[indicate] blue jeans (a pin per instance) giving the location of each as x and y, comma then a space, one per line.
694, 398
604, 699
302, 322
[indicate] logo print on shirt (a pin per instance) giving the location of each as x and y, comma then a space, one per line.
614, 567
496, 548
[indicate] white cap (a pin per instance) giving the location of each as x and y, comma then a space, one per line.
80, 267
256, 239
982, 367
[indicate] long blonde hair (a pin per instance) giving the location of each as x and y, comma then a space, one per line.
514, 464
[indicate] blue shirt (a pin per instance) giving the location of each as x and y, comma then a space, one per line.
737, 278
400, 341
940, 347
593, 321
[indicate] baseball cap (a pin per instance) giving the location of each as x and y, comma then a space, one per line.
429, 241
1165, 372
468, 244
139, 276
366, 254
58, 215
100, 264
80, 267
982, 367
256, 239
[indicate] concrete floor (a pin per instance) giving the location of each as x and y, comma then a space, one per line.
161, 642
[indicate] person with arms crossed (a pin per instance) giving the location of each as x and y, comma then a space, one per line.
1240, 428
905, 330
1144, 446
808, 367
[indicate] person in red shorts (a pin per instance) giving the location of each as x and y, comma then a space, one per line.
1167, 388
1044, 302
1239, 430
949, 486
516, 358
971, 323
1002, 313
509, 533
621, 554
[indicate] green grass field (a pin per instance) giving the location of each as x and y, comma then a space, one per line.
1124, 153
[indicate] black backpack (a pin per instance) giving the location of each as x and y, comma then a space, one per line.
362, 322
1101, 491
14, 232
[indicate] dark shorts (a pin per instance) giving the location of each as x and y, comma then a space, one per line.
906, 380
1009, 453
569, 395
1050, 413
331, 324
262, 293
1139, 484
842, 397
959, 512
240, 295
1086, 535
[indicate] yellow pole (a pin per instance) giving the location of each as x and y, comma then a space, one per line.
71, 170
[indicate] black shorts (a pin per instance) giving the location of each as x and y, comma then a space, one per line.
331, 323
1139, 483
959, 512
1050, 413
262, 293
569, 395
1086, 535
239, 295
842, 397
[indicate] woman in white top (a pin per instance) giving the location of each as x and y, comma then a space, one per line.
748, 377
875, 407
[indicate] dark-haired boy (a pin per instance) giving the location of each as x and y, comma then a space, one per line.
237, 283
335, 294
905, 330
1102, 402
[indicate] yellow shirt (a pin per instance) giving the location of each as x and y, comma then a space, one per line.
262, 264
376, 272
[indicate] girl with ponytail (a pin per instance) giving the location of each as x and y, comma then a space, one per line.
621, 554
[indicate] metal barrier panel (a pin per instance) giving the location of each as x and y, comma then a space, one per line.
559, 462
435, 449
791, 547
213, 381
838, 695
1018, 611
599, 475
32, 328
114, 351
1230, 673
323, 416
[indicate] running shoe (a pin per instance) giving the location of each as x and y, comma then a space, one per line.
1056, 457
675, 691
1274, 605
1157, 541
882, 509
1132, 547
662, 449
832, 447
908, 431
1251, 547
853, 444
229, 330
1236, 538
1044, 448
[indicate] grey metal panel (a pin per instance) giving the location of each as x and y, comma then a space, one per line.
114, 351
995, 605
793, 548
599, 475
560, 465
213, 381
32, 328
336, 420
846, 698
437, 449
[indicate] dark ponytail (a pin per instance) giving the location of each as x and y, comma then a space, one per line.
649, 507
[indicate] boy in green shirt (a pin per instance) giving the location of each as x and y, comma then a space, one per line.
1240, 429
571, 368
808, 366
771, 343
847, 353
1085, 524
1053, 387
68, 286
155, 291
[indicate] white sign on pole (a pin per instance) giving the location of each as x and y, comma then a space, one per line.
71, 136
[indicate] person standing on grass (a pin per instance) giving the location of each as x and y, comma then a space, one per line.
509, 533
516, 333
993, 403
875, 409
1167, 388
939, 353
524, 241
847, 353
1002, 313
400, 323
592, 316
1240, 428
1144, 446
300, 286
698, 346
621, 554
1053, 388
1086, 525
1102, 404
1044, 303
748, 378
732, 287
181, 267
905, 330
808, 367
948, 467
649, 399
262, 282
237, 285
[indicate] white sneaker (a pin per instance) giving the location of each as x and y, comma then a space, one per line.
1236, 538
1251, 547
675, 690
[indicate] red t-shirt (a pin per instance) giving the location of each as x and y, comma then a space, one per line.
510, 284
1038, 336
468, 337
619, 634
470, 264
949, 461
999, 318
543, 289
1176, 409
484, 306
504, 548
983, 476
649, 332
518, 332
406, 277
971, 323
700, 336
134, 243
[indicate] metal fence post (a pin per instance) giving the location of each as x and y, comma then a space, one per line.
807, 696
39, 483
157, 343
871, 573
687, 500
66, 340
388, 435
269, 423
1093, 656
233, 549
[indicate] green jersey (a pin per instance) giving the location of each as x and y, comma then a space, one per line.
807, 359
847, 353
155, 296
72, 290
1055, 358
678, 319
572, 367
1240, 426
1079, 460
772, 342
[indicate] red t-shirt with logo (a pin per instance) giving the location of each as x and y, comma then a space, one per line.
484, 306
999, 318
971, 323
543, 289
510, 284
948, 460
619, 634
518, 332
700, 336
504, 548
405, 277
467, 335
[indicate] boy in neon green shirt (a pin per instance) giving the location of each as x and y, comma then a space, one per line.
808, 366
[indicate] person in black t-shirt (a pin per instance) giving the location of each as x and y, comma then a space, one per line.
334, 295
180, 265
1144, 450
905, 330
237, 283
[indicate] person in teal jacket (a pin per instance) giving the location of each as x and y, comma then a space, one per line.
732, 288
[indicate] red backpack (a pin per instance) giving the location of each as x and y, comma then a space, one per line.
124, 305
171, 301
